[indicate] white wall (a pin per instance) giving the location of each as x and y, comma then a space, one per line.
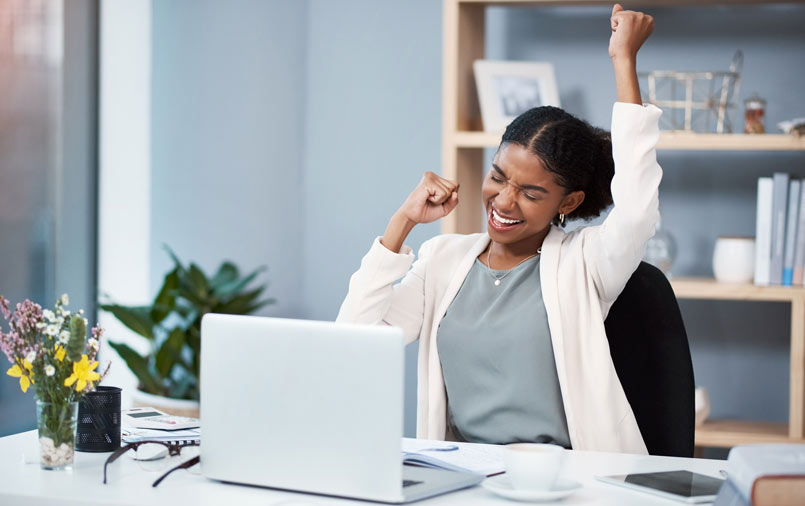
124, 146
373, 127
227, 136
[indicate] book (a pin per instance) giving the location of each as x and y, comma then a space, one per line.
768, 474
453, 456
799, 249
728, 495
763, 221
779, 208
791, 226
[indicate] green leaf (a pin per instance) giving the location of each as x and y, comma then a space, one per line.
198, 281
227, 273
139, 366
137, 318
233, 287
166, 298
191, 296
169, 353
239, 304
175, 259
78, 335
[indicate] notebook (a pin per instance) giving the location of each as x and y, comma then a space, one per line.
309, 406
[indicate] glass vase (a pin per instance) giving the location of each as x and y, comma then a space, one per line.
661, 250
56, 423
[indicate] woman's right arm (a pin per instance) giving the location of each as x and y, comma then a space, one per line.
373, 298
433, 198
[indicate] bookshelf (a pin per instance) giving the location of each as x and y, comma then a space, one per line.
727, 433
463, 144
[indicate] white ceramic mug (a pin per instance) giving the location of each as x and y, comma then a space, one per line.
533, 466
734, 259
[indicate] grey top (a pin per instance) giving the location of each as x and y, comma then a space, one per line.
497, 359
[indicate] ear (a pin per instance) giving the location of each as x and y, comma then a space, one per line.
571, 201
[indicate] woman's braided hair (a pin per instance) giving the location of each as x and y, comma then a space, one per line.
578, 154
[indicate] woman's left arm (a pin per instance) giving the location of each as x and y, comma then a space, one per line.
617, 246
630, 29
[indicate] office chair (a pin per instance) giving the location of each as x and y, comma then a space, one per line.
649, 348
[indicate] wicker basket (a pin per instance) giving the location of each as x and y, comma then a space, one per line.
695, 101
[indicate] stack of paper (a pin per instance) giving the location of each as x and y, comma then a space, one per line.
462, 457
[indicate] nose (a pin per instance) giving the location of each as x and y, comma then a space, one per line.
507, 197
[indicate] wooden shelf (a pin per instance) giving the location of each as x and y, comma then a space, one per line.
730, 142
727, 433
708, 288
671, 141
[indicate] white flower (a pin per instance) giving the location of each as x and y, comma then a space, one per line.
80, 311
52, 330
93, 343
50, 370
64, 336
86, 322
65, 313
41, 325
48, 314
31, 356
59, 321
65, 300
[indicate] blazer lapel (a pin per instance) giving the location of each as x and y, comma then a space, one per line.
459, 275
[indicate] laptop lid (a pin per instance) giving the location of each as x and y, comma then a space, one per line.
302, 405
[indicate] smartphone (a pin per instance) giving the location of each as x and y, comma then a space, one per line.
685, 486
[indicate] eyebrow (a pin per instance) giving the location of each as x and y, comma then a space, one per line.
524, 186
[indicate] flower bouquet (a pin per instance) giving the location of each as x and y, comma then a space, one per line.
49, 351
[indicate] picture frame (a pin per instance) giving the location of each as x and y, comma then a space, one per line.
506, 89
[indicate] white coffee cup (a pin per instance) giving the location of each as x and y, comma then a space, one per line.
533, 466
734, 259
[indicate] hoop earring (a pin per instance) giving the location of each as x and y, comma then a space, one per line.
562, 219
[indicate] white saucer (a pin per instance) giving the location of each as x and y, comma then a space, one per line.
501, 486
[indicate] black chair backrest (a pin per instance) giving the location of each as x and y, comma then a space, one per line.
650, 351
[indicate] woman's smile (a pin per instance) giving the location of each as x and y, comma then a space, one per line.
500, 222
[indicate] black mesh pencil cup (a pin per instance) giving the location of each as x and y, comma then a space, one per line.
98, 428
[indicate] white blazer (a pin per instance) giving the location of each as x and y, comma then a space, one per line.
582, 273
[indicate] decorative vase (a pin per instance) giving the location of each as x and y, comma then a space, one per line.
56, 423
176, 407
734, 259
661, 250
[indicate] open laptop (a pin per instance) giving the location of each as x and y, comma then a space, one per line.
309, 406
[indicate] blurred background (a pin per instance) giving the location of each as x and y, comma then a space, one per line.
285, 133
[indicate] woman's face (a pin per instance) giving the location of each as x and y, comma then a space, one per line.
522, 197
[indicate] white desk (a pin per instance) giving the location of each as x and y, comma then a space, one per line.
22, 483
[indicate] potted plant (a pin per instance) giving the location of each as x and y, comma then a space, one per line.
168, 374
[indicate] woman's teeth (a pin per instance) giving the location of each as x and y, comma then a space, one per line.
503, 220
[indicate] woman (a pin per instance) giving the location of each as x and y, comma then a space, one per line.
511, 322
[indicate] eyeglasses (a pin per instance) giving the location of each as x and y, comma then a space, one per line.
151, 455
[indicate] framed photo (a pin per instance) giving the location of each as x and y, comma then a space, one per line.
508, 88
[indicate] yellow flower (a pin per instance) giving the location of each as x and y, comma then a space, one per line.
82, 374
17, 372
60, 352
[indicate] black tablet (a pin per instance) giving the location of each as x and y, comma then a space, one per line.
683, 486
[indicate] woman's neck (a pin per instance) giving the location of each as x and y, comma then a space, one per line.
505, 255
